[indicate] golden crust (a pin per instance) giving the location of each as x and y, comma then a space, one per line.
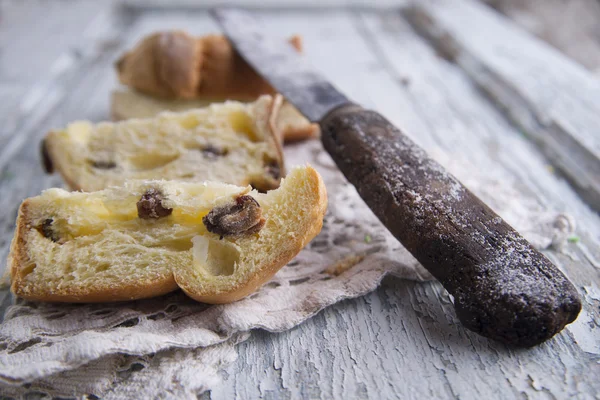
163, 64
174, 64
294, 126
17, 258
225, 73
312, 227
20, 263
296, 134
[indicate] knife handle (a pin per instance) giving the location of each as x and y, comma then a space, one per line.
503, 288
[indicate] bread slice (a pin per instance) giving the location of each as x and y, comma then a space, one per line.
232, 142
174, 64
217, 242
126, 104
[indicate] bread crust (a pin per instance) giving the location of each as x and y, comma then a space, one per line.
266, 272
295, 134
174, 64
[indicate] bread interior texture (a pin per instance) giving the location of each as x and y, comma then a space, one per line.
87, 247
127, 104
232, 142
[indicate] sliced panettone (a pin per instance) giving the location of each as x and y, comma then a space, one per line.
217, 242
232, 142
174, 64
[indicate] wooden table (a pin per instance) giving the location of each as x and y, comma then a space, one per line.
465, 82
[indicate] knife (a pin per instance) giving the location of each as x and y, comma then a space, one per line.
502, 287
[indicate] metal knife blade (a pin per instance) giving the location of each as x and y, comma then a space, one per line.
276, 61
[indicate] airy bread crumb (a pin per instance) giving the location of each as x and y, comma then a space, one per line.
232, 142
94, 247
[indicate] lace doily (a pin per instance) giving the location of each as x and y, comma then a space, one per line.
177, 346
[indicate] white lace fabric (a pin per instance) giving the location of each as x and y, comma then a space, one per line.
175, 345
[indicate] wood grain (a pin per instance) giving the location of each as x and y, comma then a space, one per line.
402, 341
553, 99
579, 34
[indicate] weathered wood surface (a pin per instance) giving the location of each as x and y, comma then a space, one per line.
264, 4
400, 342
570, 26
553, 99
403, 340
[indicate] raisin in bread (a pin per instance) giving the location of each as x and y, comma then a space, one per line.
233, 142
126, 104
217, 242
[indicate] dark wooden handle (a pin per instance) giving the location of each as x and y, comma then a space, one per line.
503, 288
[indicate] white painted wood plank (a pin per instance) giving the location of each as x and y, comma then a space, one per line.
579, 33
34, 33
264, 4
346, 353
555, 100
42, 44
469, 129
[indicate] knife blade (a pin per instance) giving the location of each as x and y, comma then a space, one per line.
312, 94
503, 288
